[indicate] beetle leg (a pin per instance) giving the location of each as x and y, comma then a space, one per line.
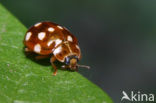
52, 60
27, 50
41, 57
64, 67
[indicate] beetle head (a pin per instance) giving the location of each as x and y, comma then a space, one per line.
72, 62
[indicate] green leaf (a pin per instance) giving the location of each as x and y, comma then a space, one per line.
23, 80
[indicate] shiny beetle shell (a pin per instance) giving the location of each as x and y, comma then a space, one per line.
47, 38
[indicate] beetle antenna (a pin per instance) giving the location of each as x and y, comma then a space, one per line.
83, 66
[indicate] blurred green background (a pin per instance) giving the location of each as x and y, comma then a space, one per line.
117, 38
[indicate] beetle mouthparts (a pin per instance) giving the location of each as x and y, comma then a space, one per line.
83, 66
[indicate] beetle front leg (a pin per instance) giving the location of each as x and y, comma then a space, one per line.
67, 67
52, 60
64, 67
27, 50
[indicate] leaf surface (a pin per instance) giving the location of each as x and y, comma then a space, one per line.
23, 80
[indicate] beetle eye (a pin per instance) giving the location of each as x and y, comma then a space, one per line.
77, 58
67, 60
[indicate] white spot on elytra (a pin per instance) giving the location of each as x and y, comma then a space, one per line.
69, 38
37, 48
50, 29
57, 42
59, 27
41, 35
57, 50
36, 25
28, 35
50, 42
77, 47
79, 50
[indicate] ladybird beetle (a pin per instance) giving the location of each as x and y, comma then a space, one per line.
46, 38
